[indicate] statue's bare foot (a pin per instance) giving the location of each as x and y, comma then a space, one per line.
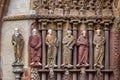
63, 65
86, 64
32, 63
46, 66
39, 63
55, 65
101, 66
78, 65
70, 66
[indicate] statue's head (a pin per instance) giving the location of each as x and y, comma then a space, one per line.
98, 31
69, 32
50, 31
34, 31
84, 33
16, 30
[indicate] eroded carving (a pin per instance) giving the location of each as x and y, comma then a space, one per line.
35, 48
52, 44
18, 44
82, 42
68, 42
99, 41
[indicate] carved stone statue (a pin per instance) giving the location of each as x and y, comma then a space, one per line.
18, 43
35, 47
82, 42
99, 41
68, 42
52, 44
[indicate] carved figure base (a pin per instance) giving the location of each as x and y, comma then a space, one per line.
98, 75
66, 75
34, 74
18, 70
83, 75
51, 74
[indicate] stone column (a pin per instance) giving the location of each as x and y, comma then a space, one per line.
59, 34
91, 52
107, 49
75, 50
43, 49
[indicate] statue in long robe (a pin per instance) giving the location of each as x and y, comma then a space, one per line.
68, 42
99, 41
35, 47
82, 42
52, 44
18, 43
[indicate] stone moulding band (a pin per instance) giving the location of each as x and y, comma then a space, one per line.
34, 16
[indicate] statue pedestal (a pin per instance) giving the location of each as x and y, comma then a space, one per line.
18, 70
67, 75
83, 75
34, 72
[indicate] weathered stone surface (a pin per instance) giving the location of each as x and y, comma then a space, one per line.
19, 7
7, 51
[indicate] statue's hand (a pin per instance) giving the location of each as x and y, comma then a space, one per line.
97, 46
14, 43
70, 48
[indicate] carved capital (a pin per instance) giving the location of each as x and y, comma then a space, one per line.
106, 26
59, 23
90, 26
75, 26
43, 23
75, 23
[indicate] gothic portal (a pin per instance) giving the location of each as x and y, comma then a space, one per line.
60, 40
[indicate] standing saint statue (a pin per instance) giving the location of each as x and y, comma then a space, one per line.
52, 44
18, 43
68, 42
82, 42
99, 41
35, 47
